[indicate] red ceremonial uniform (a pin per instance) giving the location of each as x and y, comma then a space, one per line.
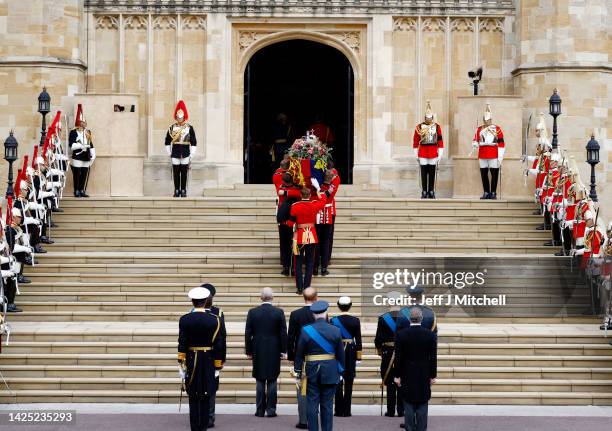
277, 178
325, 215
304, 216
489, 151
427, 150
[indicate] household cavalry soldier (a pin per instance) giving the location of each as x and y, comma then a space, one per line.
219, 313
540, 162
350, 329
606, 283
199, 356
384, 341
181, 145
318, 366
428, 148
83, 153
489, 140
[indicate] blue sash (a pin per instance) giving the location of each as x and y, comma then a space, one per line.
406, 313
389, 320
323, 343
345, 334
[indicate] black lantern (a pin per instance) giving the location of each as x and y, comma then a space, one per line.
592, 159
44, 107
555, 110
10, 155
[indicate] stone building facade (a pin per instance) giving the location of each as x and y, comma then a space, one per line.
150, 53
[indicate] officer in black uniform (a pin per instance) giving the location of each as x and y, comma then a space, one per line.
350, 329
319, 364
199, 356
219, 313
429, 316
384, 341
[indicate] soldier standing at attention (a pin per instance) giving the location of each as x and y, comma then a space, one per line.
181, 145
83, 153
319, 364
350, 329
199, 356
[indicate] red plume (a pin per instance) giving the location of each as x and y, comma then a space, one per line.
17, 186
34, 156
45, 148
25, 164
181, 105
9, 211
79, 113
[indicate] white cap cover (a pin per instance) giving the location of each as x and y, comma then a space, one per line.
344, 300
199, 293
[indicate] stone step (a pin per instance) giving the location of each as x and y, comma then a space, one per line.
229, 396
148, 359
368, 372
241, 384
516, 247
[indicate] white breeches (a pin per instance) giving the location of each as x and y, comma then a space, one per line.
80, 164
423, 161
489, 163
183, 161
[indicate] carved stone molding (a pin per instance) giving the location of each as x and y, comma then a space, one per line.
135, 22
107, 22
352, 39
492, 24
404, 24
308, 7
164, 22
249, 37
193, 22
434, 24
463, 24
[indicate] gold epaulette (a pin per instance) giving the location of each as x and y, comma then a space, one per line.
218, 363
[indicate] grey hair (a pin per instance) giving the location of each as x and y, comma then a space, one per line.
416, 315
267, 294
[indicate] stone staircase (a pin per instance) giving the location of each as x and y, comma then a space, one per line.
100, 318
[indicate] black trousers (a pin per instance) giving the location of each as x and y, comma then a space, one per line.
303, 277
567, 239
79, 178
198, 412
179, 172
394, 400
322, 254
428, 177
556, 231
285, 240
547, 219
484, 175
10, 290
265, 397
344, 397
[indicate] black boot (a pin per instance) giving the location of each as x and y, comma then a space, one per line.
285, 271
23, 280
38, 249
431, 180
177, 194
424, 194
324, 272
76, 181
12, 308
431, 195
176, 176
184, 169
484, 176
183, 193
83, 182
493, 195
424, 171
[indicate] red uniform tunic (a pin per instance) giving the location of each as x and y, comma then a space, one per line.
427, 150
489, 151
303, 216
333, 189
277, 178
325, 215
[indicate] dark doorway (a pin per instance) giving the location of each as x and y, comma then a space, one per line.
306, 81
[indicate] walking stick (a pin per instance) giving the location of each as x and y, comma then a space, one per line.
382, 395
500, 181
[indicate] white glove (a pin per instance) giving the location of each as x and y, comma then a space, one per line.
4, 259
416, 152
181, 372
31, 220
18, 248
168, 150
62, 157
500, 154
57, 172
93, 154
217, 372
357, 363
192, 151
532, 171
47, 194
77, 146
315, 184
6, 273
475, 145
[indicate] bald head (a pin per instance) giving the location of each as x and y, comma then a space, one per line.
267, 294
310, 295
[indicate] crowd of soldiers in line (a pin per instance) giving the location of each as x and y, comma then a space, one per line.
36, 195
324, 352
573, 218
